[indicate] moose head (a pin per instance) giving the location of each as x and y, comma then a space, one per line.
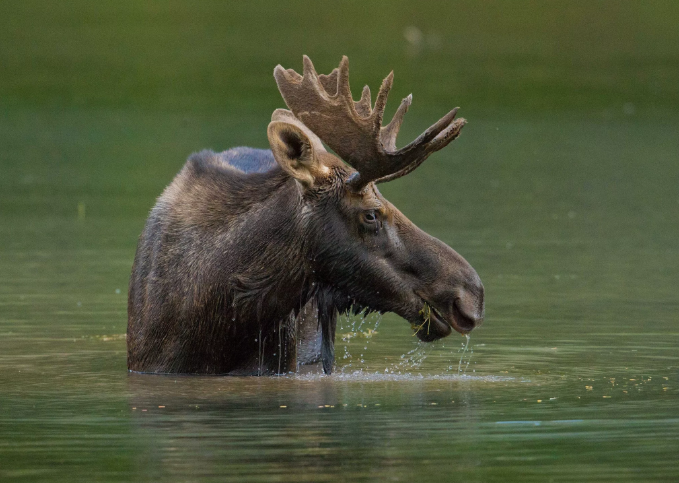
363, 248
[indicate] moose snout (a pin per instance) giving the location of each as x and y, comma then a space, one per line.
455, 294
461, 304
455, 306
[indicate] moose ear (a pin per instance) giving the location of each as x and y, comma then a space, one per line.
295, 152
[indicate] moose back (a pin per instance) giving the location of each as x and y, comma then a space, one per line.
249, 255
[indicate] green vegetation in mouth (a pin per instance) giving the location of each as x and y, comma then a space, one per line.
425, 312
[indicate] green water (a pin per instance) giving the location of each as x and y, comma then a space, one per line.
563, 193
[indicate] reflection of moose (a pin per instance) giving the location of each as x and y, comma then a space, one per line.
249, 255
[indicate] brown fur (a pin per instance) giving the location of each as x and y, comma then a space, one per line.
249, 255
227, 260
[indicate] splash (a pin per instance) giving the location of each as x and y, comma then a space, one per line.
464, 351
410, 361
356, 332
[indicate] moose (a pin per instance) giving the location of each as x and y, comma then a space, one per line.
249, 255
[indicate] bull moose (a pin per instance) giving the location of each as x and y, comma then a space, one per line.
249, 255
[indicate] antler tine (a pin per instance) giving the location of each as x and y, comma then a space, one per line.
288, 74
310, 77
447, 135
343, 89
381, 101
389, 132
434, 129
364, 105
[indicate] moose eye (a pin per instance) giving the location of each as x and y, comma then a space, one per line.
369, 217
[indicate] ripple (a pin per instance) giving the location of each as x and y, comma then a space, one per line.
363, 376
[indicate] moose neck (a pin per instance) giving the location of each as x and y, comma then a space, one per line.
276, 276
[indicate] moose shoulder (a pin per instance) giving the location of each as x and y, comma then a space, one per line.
249, 255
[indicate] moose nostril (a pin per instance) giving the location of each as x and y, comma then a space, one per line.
469, 309
462, 319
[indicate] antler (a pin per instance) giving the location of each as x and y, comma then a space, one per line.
354, 129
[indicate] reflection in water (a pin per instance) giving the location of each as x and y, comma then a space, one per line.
292, 427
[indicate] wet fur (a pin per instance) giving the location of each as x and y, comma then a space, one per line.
246, 261
221, 282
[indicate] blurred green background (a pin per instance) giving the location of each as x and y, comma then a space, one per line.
562, 192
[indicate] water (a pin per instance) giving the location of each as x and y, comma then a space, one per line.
562, 192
